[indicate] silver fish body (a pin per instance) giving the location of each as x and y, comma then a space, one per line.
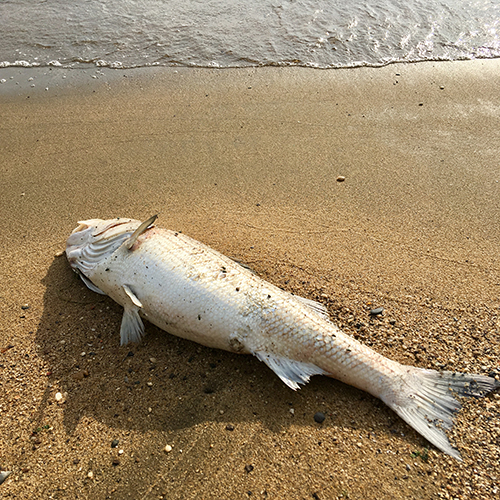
194, 292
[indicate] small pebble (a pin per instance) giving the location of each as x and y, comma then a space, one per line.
90, 474
168, 448
229, 427
116, 462
292, 411
59, 397
25, 306
319, 417
149, 383
120, 452
153, 360
4, 475
340, 178
248, 468
377, 311
114, 443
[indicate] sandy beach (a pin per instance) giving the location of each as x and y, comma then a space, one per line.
248, 161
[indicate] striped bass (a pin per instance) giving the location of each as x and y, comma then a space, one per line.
195, 292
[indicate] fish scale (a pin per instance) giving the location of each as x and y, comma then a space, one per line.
190, 290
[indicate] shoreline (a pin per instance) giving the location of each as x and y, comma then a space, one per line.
247, 161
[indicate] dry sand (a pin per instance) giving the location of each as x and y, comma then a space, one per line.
247, 161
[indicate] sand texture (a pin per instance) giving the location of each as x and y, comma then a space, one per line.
248, 161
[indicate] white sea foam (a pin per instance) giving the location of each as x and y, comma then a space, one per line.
236, 33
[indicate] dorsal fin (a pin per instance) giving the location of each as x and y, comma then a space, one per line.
317, 307
130, 242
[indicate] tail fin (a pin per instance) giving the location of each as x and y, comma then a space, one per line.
427, 400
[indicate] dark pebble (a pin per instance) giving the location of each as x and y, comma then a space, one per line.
76, 461
319, 417
248, 468
25, 307
116, 462
130, 354
229, 427
114, 443
377, 311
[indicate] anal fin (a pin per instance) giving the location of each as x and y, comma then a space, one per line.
291, 372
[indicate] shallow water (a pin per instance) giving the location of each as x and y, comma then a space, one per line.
236, 33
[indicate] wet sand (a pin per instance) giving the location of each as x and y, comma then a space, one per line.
248, 162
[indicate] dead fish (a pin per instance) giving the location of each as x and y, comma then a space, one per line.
195, 292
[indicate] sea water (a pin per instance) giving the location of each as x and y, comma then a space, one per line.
238, 33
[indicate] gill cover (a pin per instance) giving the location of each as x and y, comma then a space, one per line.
94, 240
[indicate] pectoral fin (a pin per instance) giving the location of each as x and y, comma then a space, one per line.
132, 328
145, 225
90, 285
291, 372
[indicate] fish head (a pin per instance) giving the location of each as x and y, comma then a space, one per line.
93, 240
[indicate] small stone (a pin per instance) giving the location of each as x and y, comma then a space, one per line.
377, 311
408, 467
292, 411
248, 468
149, 384
116, 462
114, 443
319, 417
4, 475
76, 461
168, 448
25, 306
90, 474
59, 397
120, 452
441, 87
340, 178
229, 427
153, 360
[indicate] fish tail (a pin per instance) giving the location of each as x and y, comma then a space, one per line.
427, 400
